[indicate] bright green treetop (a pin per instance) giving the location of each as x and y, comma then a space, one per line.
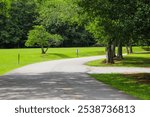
40, 37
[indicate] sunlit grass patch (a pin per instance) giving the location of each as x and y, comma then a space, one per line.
127, 83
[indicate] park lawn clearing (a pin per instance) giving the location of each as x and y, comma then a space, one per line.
133, 60
137, 85
9, 57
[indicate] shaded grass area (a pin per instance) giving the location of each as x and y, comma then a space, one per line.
133, 60
146, 48
9, 57
141, 78
137, 85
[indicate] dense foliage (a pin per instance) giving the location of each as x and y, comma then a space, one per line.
17, 18
118, 22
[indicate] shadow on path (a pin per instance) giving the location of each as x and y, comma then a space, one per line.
71, 86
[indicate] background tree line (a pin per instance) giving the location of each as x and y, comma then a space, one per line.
18, 17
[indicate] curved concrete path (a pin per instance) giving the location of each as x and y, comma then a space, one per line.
74, 65
61, 79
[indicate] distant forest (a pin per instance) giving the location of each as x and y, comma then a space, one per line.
17, 18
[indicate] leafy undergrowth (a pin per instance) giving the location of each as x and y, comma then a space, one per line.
137, 85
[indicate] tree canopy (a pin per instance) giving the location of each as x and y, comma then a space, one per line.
40, 37
117, 22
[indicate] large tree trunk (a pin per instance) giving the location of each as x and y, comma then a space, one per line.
119, 55
109, 54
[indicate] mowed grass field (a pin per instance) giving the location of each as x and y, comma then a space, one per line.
9, 57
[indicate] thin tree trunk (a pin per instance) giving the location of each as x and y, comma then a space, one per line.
114, 49
130, 49
119, 55
109, 54
42, 48
127, 48
46, 49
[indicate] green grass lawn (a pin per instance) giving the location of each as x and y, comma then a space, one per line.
9, 61
136, 85
141, 59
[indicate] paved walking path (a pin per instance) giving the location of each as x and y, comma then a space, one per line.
74, 65
61, 79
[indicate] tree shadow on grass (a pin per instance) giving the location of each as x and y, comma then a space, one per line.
143, 78
146, 48
94, 53
147, 52
136, 61
59, 55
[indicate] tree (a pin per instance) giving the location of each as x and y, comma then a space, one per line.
105, 23
22, 16
58, 16
124, 21
57, 11
3, 23
73, 34
40, 37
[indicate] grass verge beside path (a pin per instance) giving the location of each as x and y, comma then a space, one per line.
137, 85
132, 60
9, 57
